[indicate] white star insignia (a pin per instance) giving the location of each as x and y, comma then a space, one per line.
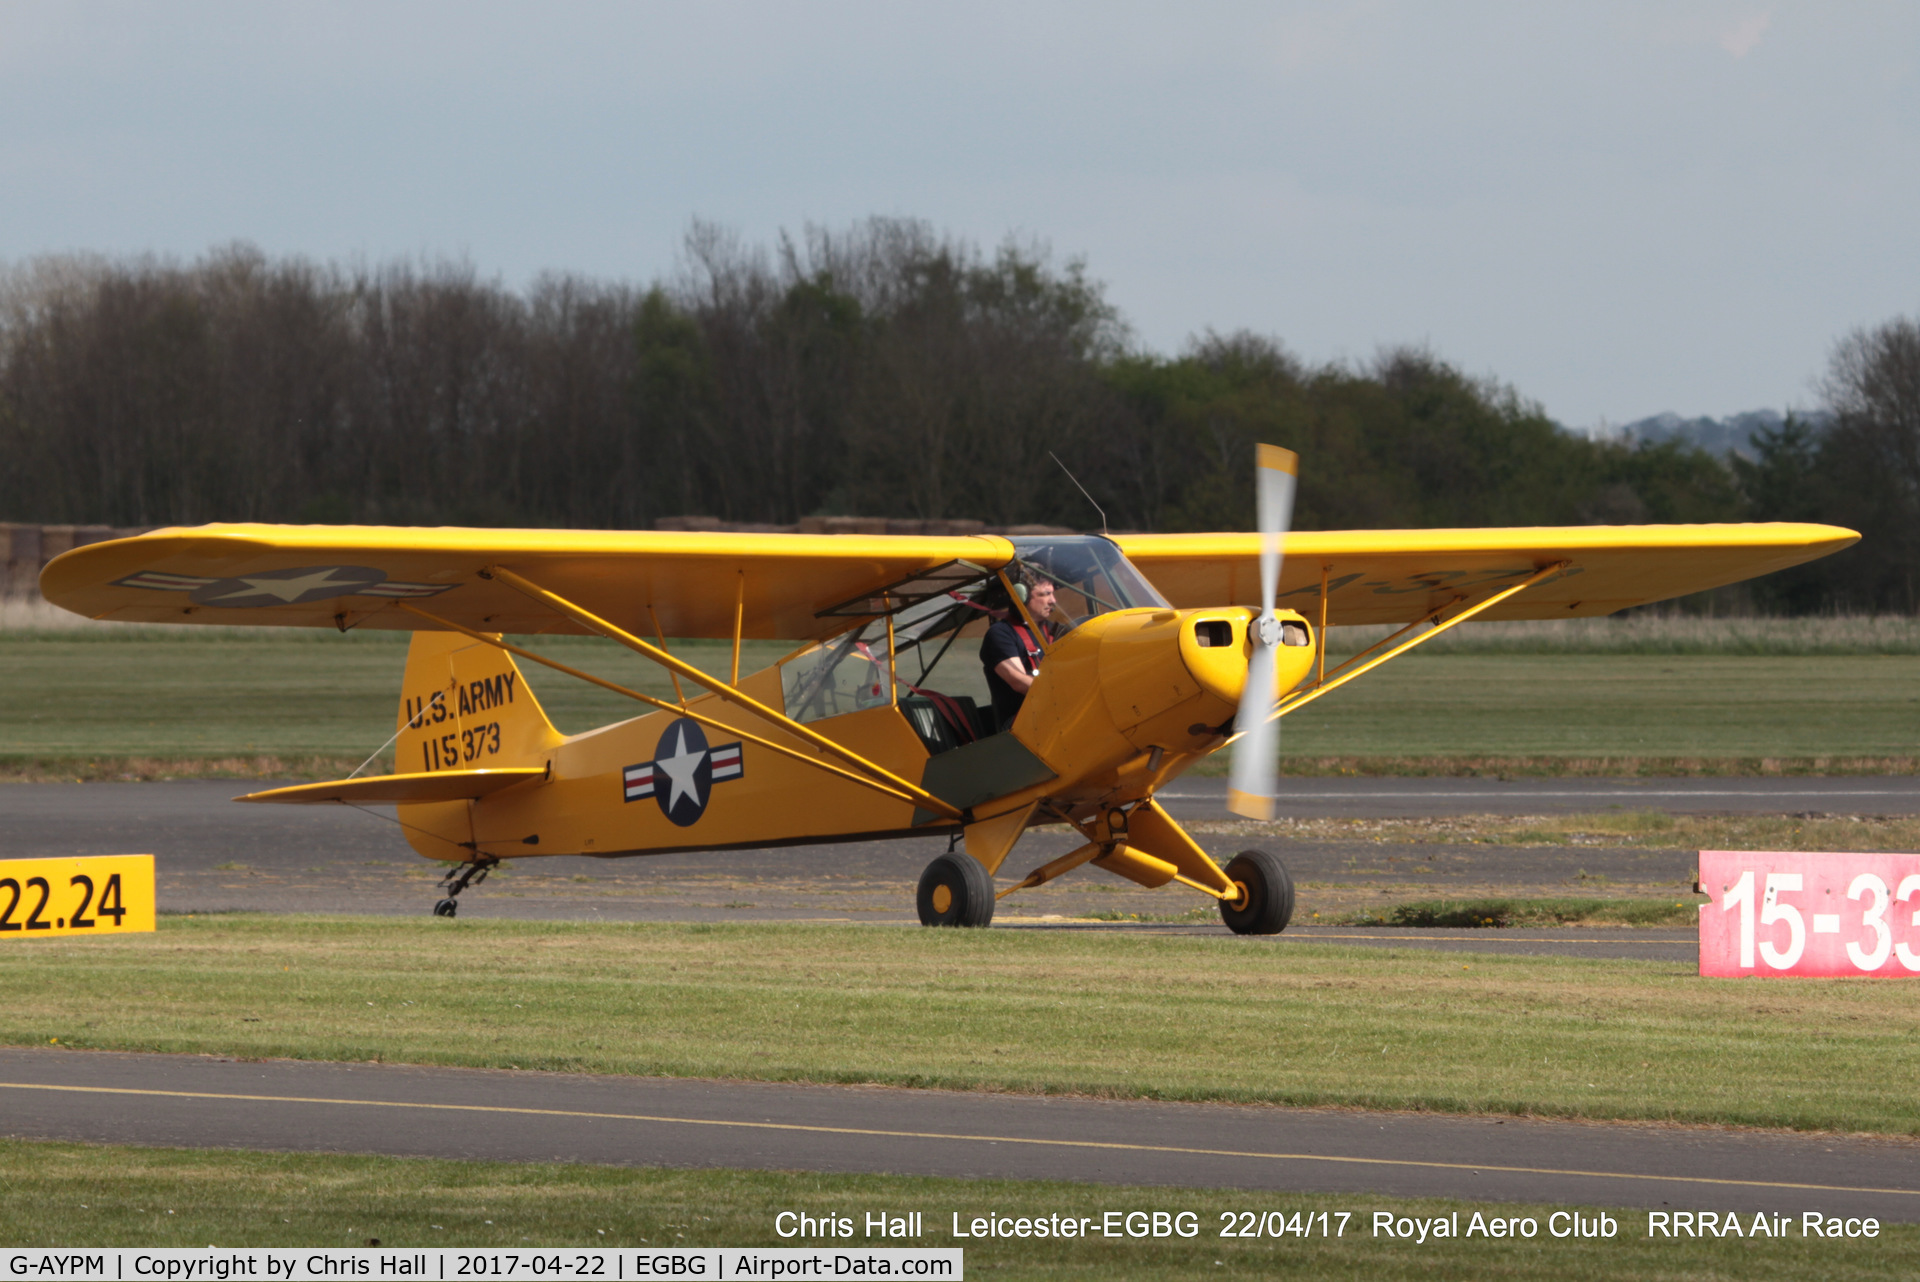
290, 589
680, 769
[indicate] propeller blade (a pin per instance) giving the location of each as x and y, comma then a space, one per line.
1256, 753
1251, 784
1274, 477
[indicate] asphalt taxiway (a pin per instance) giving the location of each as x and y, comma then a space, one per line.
523, 1116
215, 856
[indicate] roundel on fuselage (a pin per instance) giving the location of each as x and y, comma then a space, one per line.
684, 769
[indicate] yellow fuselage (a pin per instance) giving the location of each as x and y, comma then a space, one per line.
1124, 702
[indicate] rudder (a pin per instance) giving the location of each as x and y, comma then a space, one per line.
464, 705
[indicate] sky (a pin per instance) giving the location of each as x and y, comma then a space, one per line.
1617, 208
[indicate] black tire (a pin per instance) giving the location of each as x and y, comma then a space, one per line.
1269, 903
955, 891
446, 908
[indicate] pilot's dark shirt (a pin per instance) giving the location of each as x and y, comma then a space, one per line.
1000, 644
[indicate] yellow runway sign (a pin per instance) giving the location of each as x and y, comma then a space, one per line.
94, 895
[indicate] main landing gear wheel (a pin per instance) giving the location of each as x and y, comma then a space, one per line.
1268, 904
955, 891
446, 907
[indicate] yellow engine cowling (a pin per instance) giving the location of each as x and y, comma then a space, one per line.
1131, 681
1215, 646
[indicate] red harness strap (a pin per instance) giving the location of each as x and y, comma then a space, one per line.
1033, 652
945, 704
951, 712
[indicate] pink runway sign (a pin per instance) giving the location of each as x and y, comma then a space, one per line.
1794, 913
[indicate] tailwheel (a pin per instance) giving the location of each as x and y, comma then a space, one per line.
1267, 905
956, 891
458, 878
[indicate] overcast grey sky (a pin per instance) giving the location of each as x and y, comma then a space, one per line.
1619, 208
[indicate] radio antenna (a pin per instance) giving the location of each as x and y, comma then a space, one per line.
1083, 489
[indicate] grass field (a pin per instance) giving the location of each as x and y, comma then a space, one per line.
69, 1193
176, 695
1664, 634
103, 704
1135, 1016
1225, 1019
1585, 705
1633, 828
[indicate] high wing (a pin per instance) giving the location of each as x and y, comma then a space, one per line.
795, 586
1399, 576
787, 586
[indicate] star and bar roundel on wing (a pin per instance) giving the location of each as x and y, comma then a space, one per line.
682, 773
295, 586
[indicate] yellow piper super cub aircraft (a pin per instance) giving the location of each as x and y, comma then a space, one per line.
1166, 648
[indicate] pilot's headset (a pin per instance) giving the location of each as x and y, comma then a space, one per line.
1023, 582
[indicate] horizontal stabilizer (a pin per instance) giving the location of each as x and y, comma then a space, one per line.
441, 785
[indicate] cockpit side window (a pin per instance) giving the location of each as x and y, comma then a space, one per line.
932, 662
849, 673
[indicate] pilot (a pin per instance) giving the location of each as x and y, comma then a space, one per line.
1011, 653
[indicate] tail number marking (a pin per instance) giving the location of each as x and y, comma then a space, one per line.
458, 748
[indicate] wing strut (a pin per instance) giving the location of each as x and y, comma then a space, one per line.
662, 704
1308, 696
732, 694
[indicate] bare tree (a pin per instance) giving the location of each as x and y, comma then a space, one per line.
1872, 389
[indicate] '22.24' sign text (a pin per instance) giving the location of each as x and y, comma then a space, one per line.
1795, 913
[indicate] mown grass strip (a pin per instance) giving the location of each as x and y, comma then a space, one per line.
67, 1194
1586, 706
146, 769
1666, 634
1110, 1015
1625, 766
184, 695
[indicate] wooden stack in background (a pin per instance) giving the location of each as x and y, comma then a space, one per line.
24, 549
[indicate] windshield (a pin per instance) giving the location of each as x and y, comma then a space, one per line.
1090, 575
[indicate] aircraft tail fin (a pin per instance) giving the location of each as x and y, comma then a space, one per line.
464, 705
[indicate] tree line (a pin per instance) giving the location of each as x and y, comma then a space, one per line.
880, 370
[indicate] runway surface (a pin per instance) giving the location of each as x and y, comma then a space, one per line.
466, 1113
215, 856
